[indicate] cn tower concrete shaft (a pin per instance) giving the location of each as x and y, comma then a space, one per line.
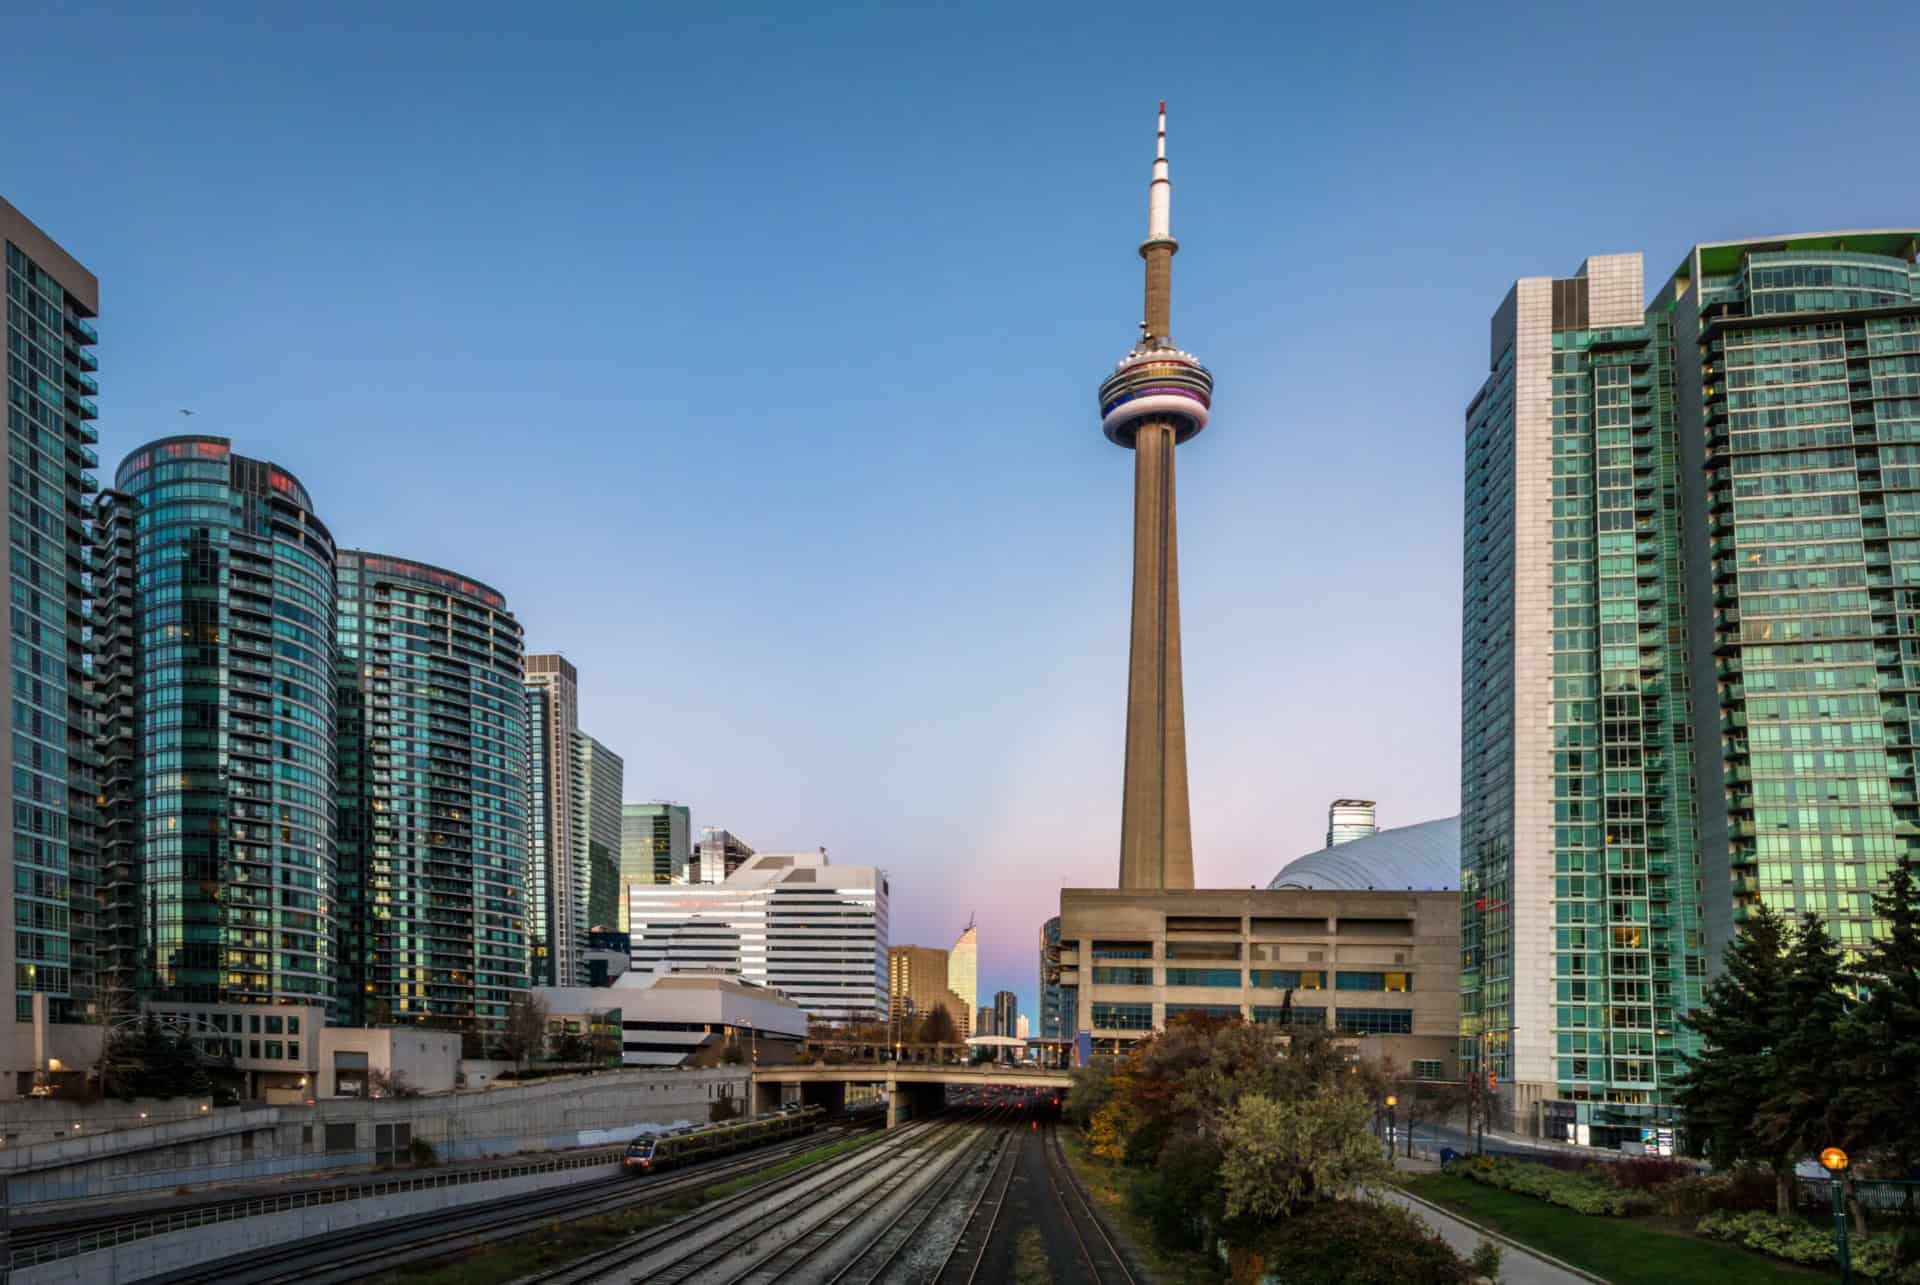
1157, 397
1156, 828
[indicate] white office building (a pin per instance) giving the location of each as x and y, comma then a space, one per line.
788, 920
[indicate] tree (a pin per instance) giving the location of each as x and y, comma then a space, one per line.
1880, 1043
148, 1060
526, 1031
1281, 1155
938, 1027
384, 1083
1723, 1086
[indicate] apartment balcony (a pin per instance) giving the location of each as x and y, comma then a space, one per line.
82, 407
85, 359
79, 327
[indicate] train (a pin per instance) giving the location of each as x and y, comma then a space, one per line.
653, 1152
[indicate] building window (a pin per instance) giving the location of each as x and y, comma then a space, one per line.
273, 1025
1203, 977
1123, 950
1123, 977
1276, 1015
1428, 1068
1373, 981
1123, 1017
1203, 950
340, 1137
273, 1049
293, 1026
1374, 1021
293, 1050
1202, 1010
1289, 979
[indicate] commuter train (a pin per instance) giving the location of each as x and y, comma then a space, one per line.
652, 1152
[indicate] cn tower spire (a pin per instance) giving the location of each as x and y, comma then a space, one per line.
1155, 399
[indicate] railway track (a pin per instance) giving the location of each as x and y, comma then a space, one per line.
964, 1260
1103, 1259
330, 1260
768, 1232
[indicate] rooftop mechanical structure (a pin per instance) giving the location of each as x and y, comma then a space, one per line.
1156, 398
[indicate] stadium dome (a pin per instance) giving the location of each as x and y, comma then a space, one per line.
1424, 857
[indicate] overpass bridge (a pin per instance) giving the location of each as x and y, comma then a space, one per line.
913, 1087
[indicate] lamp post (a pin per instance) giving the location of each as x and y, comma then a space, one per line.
1393, 1102
1834, 1161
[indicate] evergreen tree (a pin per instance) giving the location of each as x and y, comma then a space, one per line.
1733, 1074
1880, 1102
1799, 1112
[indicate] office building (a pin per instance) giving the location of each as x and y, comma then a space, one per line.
1006, 1008
1156, 398
814, 931
602, 777
1349, 819
49, 770
687, 1019
1057, 1003
433, 797
983, 1021
557, 859
718, 854
916, 985
216, 641
1023, 1029
1381, 968
1580, 898
655, 847
1795, 372
963, 975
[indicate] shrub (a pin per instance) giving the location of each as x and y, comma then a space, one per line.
1644, 1173
1486, 1260
1584, 1193
1180, 1195
421, 1152
1736, 1191
1351, 1242
1876, 1257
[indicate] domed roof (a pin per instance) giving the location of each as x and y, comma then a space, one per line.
1424, 857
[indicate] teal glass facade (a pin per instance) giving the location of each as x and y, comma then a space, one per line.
51, 764
1581, 923
216, 664
433, 747
1799, 364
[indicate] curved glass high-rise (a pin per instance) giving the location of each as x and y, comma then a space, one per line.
216, 638
433, 784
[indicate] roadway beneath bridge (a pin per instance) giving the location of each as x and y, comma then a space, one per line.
913, 1089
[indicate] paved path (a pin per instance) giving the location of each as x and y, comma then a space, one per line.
1518, 1266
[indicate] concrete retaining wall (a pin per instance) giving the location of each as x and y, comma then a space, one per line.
26, 1122
157, 1255
251, 1145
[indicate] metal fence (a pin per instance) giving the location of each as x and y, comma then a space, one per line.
160, 1225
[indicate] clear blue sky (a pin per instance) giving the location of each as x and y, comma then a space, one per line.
753, 355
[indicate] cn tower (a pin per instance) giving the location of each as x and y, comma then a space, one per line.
1155, 399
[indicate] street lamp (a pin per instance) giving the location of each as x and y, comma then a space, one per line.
1393, 1102
1834, 1161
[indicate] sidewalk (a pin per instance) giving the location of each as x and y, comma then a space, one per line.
1518, 1264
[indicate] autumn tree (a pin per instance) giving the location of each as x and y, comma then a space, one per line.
1279, 1156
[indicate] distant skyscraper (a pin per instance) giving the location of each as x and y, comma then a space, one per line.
433, 814
790, 920
557, 859
983, 1021
1156, 398
1059, 1004
1022, 1028
963, 970
718, 854
1006, 1008
1580, 920
216, 642
916, 985
49, 769
655, 847
1349, 819
602, 778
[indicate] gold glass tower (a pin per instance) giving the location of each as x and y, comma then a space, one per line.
1155, 399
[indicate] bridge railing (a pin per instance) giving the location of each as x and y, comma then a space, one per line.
877, 1053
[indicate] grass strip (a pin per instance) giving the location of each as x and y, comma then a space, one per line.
1626, 1251
787, 1166
1108, 1186
1030, 1265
